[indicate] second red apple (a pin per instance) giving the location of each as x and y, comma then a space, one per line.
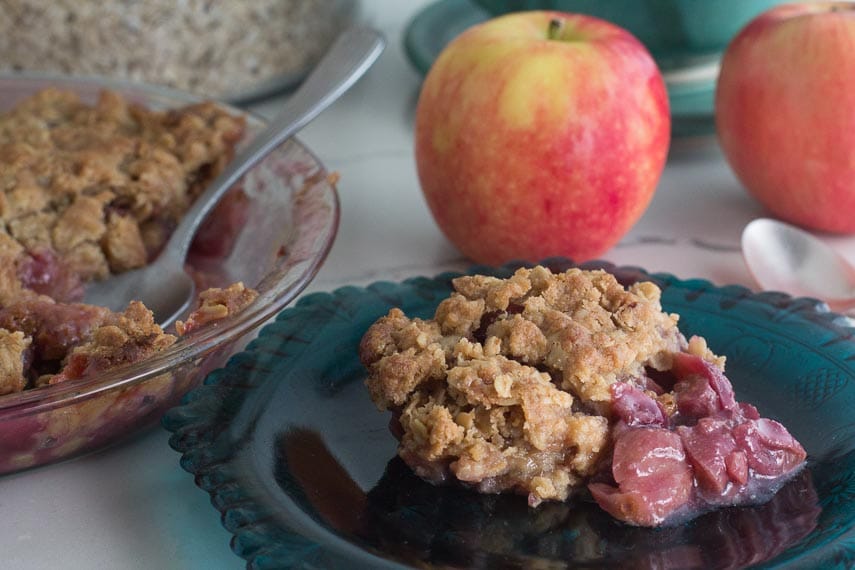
785, 112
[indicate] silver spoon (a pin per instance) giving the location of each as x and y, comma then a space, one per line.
784, 258
163, 286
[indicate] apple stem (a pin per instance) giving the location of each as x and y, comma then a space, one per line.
555, 28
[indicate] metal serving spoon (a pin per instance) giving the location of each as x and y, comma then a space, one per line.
163, 285
784, 258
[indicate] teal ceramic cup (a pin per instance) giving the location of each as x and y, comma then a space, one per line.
679, 33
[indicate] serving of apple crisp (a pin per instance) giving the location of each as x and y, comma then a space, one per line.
549, 384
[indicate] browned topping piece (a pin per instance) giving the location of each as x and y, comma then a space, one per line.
215, 305
404, 355
13, 353
544, 383
101, 186
67, 341
86, 191
54, 327
11, 288
496, 387
122, 338
123, 243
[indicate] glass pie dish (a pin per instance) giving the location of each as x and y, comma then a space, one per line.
276, 245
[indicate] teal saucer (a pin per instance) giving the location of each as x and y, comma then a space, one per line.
691, 91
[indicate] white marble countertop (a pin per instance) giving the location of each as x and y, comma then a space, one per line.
132, 506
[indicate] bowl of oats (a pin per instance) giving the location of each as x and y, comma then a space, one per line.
233, 51
94, 175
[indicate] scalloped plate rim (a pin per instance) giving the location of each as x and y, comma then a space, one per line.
235, 512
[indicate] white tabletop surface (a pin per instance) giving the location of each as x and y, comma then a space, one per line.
132, 506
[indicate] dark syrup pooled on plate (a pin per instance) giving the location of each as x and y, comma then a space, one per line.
451, 526
408, 519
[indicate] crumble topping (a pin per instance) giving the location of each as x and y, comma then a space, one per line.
14, 347
583, 328
102, 186
217, 304
545, 384
214, 49
499, 386
86, 191
43, 342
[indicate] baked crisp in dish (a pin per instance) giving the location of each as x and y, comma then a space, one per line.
85, 192
97, 189
546, 384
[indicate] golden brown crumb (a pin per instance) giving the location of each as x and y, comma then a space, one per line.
86, 191
86, 180
507, 387
216, 304
13, 345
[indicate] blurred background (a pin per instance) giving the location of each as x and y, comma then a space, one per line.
236, 51
248, 50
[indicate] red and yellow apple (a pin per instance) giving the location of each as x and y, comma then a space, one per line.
541, 134
785, 112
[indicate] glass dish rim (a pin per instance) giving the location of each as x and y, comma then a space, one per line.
183, 351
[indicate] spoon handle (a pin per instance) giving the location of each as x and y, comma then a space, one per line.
348, 59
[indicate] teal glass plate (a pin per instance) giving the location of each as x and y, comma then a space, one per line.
691, 100
302, 466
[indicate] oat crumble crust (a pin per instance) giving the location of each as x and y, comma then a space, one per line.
507, 387
101, 186
86, 191
217, 304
